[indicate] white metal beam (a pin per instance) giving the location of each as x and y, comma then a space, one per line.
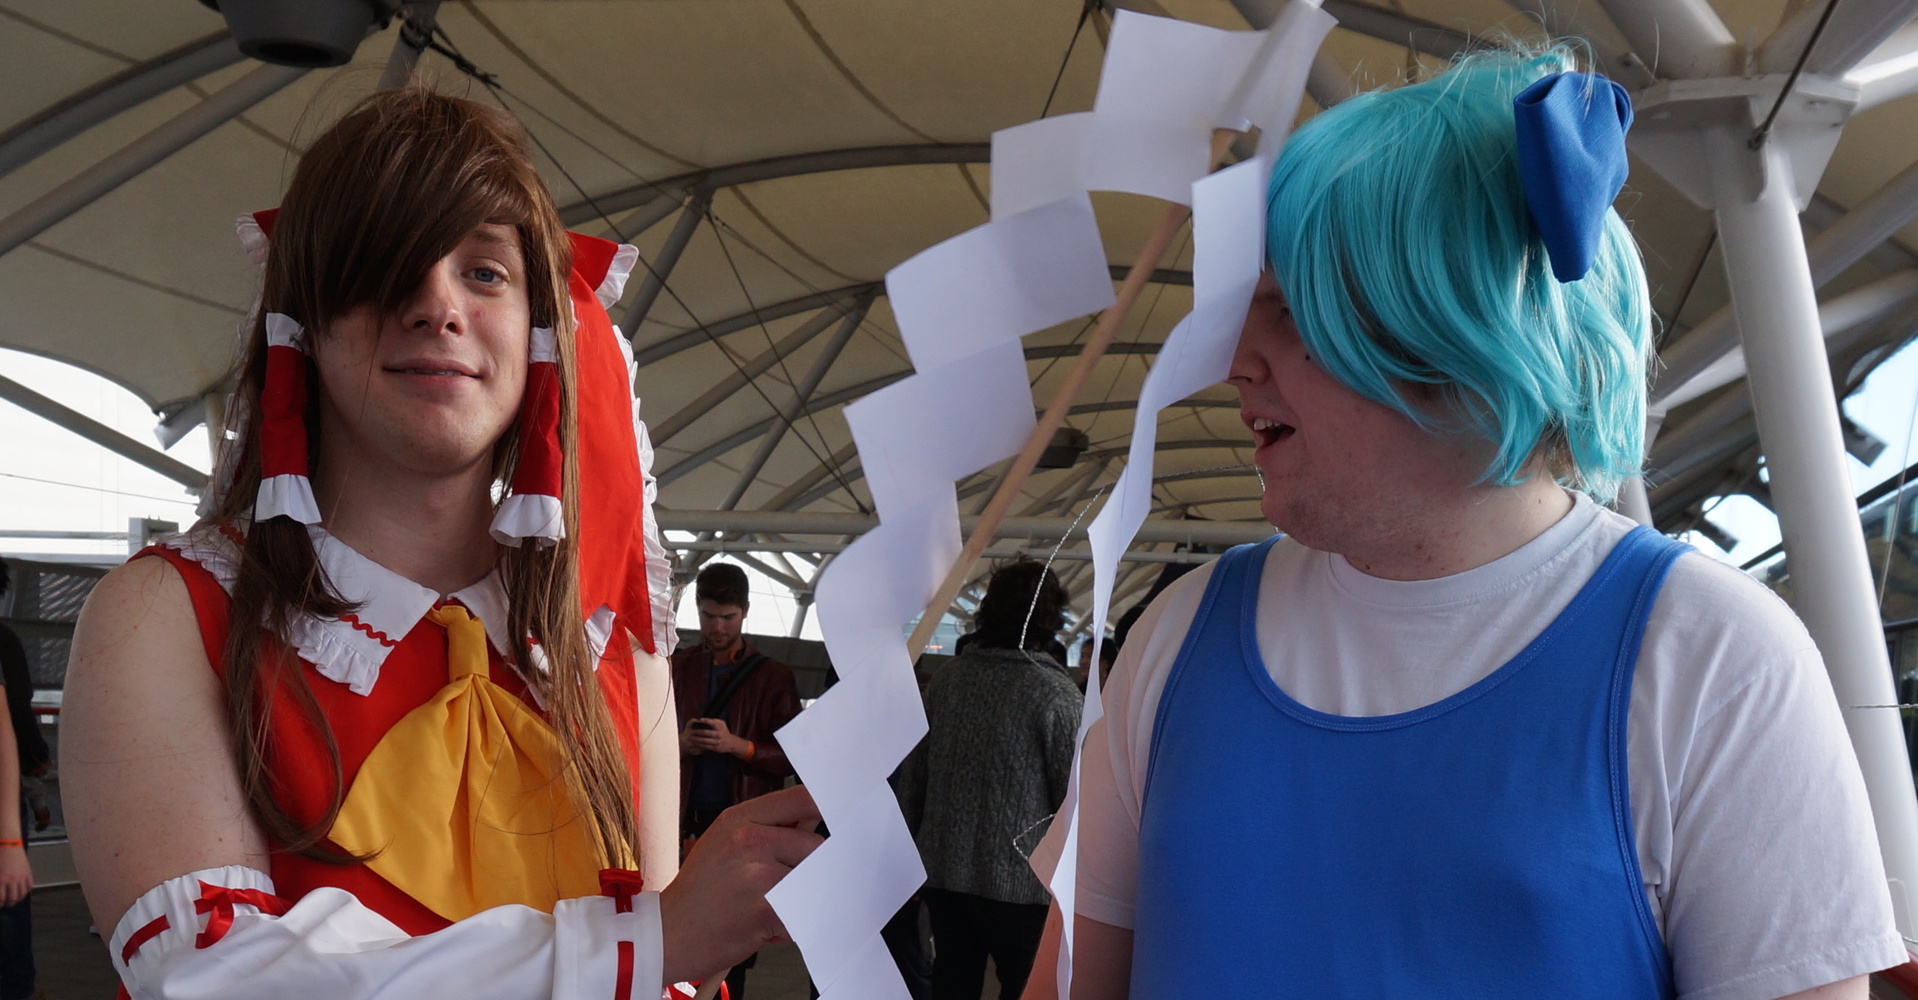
1677, 39
739, 549
84, 188
102, 435
132, 87
1797, 413
1890, 71
801, 395
738, 379
1861, 305
1870, 223
741, 522
653, 281
1855, 28
417, 20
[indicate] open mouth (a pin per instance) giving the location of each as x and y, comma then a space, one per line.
1270, 431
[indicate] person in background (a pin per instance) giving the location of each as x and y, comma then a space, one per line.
1108, 655
980, 789
23, 752
731, 699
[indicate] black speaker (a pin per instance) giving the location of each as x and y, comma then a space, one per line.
310, 33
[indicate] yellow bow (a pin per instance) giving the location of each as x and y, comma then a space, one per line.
464, 799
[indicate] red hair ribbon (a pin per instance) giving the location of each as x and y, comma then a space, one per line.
284, 489
533, 510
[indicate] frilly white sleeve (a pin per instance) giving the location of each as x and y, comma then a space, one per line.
176, 943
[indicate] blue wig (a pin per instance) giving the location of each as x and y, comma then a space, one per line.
1398, 231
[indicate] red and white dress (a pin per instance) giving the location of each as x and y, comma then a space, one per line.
307, 928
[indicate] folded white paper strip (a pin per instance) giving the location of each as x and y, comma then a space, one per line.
962, 307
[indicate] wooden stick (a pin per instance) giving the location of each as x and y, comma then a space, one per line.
987, 527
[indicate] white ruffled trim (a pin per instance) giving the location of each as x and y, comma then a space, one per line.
599, 632
212, 548
174, 899
529, 515
289, 495
390, 604
659, 566
252, 237
543, 346
337, 652
285, 331
613, 285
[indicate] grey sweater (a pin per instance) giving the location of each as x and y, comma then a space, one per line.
981, 788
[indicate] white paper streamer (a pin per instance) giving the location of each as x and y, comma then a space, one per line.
962, 307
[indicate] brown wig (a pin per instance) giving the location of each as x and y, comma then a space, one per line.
376, 201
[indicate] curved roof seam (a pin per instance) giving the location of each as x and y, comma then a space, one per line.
775, 168
529, 62
70, 39
788, 240
825, 49
73, 258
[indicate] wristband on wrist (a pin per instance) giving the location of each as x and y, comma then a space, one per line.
15, 842
752, 750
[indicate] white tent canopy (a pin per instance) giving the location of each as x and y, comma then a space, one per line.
800, 148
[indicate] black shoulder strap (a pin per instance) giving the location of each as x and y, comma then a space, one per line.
733, 683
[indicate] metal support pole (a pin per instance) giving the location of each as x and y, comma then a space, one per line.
802, 598
215, 406
102, 435
653, 281
416, 30
135, 86
90, 184
1676, 38
1869, 224
803, 392
1797, 416
636, 222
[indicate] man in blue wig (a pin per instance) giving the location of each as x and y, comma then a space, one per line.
1463, 732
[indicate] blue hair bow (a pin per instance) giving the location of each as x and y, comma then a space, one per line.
1571, 162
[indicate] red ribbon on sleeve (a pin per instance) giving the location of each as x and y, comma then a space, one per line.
219, 900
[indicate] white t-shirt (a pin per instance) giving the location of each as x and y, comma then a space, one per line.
1754, 835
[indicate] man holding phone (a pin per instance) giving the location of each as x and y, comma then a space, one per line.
731, 699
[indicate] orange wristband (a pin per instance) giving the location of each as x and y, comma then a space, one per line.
752, 750
12, 843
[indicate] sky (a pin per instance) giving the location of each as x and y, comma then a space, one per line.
54, 480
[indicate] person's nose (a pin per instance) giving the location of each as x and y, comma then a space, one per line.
1248, 366
435, 306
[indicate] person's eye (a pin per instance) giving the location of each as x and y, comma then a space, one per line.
488, 275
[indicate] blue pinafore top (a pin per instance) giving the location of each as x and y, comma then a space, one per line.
1478, 847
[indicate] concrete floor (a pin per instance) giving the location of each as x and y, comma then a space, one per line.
73, 964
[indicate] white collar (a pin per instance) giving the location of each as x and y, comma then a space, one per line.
352, 648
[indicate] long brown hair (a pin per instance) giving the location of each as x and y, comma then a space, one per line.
378, 199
